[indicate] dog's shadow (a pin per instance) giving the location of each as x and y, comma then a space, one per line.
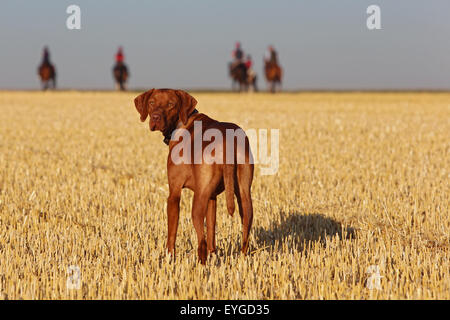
297, 231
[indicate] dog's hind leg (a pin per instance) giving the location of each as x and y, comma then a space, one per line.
206, 183
245, 177
199, 207
211, 225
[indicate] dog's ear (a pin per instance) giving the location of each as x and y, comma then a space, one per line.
187, 105
141, 103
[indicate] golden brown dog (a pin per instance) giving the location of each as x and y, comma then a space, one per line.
207, 174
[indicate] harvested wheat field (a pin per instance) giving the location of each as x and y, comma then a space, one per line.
359, 208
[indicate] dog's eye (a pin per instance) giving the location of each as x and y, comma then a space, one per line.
170, 104
152, 103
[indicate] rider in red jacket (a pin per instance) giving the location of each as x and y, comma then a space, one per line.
248, 62
119, 55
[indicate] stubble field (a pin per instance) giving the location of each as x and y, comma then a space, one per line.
358, 209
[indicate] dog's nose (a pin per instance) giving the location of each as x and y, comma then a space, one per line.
156, 117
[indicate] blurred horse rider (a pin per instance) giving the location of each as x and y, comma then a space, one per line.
272, 69
46, 71
248, 66
119, 56
120, 70
46, 56
237, 55
251, 74
271, 56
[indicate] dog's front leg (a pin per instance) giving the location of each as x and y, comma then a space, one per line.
173, 213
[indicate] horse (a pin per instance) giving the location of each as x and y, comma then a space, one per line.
274, 74
47, 74
120, 73
245, 79
238, 74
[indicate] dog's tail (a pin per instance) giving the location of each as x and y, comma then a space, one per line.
228, 180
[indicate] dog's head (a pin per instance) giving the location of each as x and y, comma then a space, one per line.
165, 107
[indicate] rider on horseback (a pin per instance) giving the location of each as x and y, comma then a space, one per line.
248, 65
46, 57
46, 70
271, 56
119, 56
272, 69
248, 62
120, 70
237, 55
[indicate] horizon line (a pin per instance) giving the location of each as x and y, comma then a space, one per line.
227, 90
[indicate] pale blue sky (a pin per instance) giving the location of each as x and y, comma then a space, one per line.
322, 44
